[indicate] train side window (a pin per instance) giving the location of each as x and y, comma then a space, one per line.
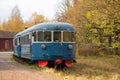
47, 36
20, 40
34, 36
57, 36
28, 41
40, 36
15, 42
23, 41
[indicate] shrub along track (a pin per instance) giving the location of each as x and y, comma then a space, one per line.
10, 70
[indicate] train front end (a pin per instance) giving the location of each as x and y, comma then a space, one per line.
55, 45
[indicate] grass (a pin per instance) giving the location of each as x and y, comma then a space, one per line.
87, 68
96, 68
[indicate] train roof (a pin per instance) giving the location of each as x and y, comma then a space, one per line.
48, 26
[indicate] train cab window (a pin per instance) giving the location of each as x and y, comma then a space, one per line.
40, 36
44, 36
47, 36
57, 36
68, 36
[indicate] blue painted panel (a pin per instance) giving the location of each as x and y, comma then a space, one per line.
53, 51
41, 54
19, 50
69, 53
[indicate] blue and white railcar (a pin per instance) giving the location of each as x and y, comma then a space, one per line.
47, 42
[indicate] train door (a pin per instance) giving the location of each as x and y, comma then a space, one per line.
15, 46
57, 44
18, 47
26, 46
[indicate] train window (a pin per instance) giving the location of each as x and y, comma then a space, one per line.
44, 36
23, 39
15, 41
27, 39
20, 40
47, 36
57, 36
35, 36
68, 36
40, 36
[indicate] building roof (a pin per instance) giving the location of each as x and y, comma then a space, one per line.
7, 34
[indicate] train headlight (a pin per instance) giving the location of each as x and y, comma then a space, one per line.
43, 46
70, 46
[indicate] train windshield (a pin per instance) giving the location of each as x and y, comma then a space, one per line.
57, 36
44, 36
40, 36
68, 36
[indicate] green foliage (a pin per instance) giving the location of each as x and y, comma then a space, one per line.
101, 54
96, 22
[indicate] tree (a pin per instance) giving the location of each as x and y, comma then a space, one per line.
15, 23
106, 18
63, 9
36, 18
96, 22
3, 25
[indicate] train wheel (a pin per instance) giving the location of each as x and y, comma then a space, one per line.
42, 63
51, 64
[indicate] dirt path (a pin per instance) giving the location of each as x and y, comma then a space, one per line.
9, 70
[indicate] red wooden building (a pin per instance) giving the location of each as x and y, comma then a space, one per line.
6, 40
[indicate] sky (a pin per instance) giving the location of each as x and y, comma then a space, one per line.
27, 7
